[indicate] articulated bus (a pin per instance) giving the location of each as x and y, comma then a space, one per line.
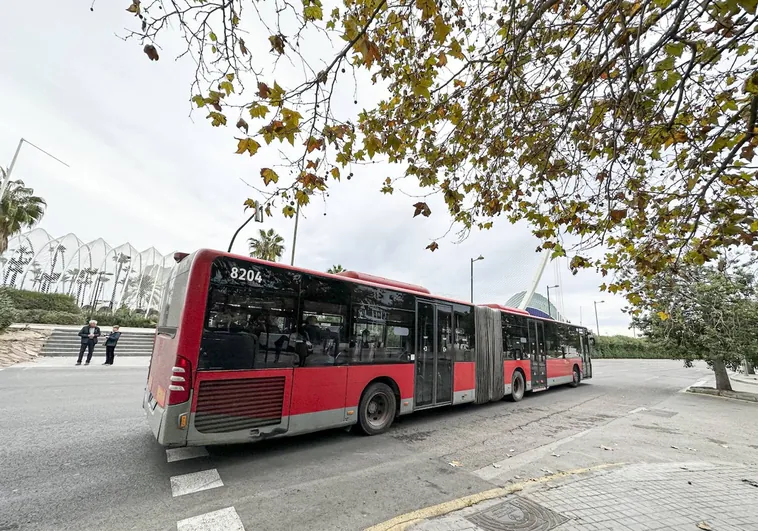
247, 350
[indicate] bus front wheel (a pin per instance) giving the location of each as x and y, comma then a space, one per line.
517, 386
377, 409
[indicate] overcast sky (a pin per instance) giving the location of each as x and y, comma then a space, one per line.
143, 171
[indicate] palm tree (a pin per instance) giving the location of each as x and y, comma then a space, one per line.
268, 245
19, 208
335, 269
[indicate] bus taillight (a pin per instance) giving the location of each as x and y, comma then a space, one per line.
181, 381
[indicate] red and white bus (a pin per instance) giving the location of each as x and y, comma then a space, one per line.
247, 350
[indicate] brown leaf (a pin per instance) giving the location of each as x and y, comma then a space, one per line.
432, 246
263, 90
243, 48
422, 208
277, 43
151, 52
134, 8
618, 214
242, 124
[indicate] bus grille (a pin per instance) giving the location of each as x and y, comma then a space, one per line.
231, 405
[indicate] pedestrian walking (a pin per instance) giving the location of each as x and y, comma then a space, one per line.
110, 345
89, 335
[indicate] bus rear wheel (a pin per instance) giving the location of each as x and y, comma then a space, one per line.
517, 386
576, 377
377, 409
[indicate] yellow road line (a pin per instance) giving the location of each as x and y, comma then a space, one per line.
404, 521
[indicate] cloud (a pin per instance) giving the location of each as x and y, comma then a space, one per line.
143, 171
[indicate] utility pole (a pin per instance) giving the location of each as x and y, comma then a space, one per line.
7, 178
472, 275
549, 309
597, 322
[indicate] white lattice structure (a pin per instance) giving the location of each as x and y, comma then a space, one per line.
96, 274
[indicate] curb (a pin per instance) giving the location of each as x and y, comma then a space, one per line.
404, 521
736, 395
749, 381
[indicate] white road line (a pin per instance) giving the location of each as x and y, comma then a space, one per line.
195, 482
223, 520
637, 410
190, 452
696, 384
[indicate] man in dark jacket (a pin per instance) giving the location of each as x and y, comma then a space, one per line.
89, 335
110, 345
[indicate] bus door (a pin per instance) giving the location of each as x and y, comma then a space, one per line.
434, 362
538, 354
586, 358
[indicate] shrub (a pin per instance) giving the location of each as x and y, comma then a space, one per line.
47, 317
32, 300
6, 311
627, 347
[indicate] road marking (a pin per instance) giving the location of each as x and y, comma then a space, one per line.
195, 482
637, 410
223, 520
190, 452
404, 521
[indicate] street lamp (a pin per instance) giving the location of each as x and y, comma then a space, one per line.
549, 311
472, 275
597, 323
7, 178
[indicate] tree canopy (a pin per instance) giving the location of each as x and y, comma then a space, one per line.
267, 246
705, 312
19, 209
617, 124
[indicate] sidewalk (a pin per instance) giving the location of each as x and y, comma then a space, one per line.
710, 496
744, 387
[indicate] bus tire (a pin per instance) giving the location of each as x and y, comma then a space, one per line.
517, 386
377, 409
576, 377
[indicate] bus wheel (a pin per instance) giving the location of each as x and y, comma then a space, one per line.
577, 377
377, 409
517, 386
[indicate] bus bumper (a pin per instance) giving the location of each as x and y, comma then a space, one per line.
164, 422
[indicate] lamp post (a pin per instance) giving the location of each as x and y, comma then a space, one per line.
597, 323
7, 178
549, 310
472, 275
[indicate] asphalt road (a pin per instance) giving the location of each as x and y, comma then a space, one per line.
76, 453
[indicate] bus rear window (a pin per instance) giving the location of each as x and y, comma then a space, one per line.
173, 297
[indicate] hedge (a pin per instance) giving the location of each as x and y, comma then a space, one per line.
33, 300
6, 311
122, 318
48, 317
627, 347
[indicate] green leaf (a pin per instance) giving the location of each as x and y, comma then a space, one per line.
217, 119
748, 5
675, 48
428, 8
313, 13
226, 86
751, 84
213, 37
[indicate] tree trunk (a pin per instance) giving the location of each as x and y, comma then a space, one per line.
749, 368
722, 377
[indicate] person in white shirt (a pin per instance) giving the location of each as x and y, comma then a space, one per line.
89, 335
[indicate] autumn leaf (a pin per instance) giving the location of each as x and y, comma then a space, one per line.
313, 144
226, 86
433, 246
242, 124
335, 173
313, 12
618, 214
247, 145
257, 110
421, 208
441, 59
269, 176
217, 119
243, 48
288, 211
263, 90
662, 316
428, 8
151, 52
277, 43
135, 7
